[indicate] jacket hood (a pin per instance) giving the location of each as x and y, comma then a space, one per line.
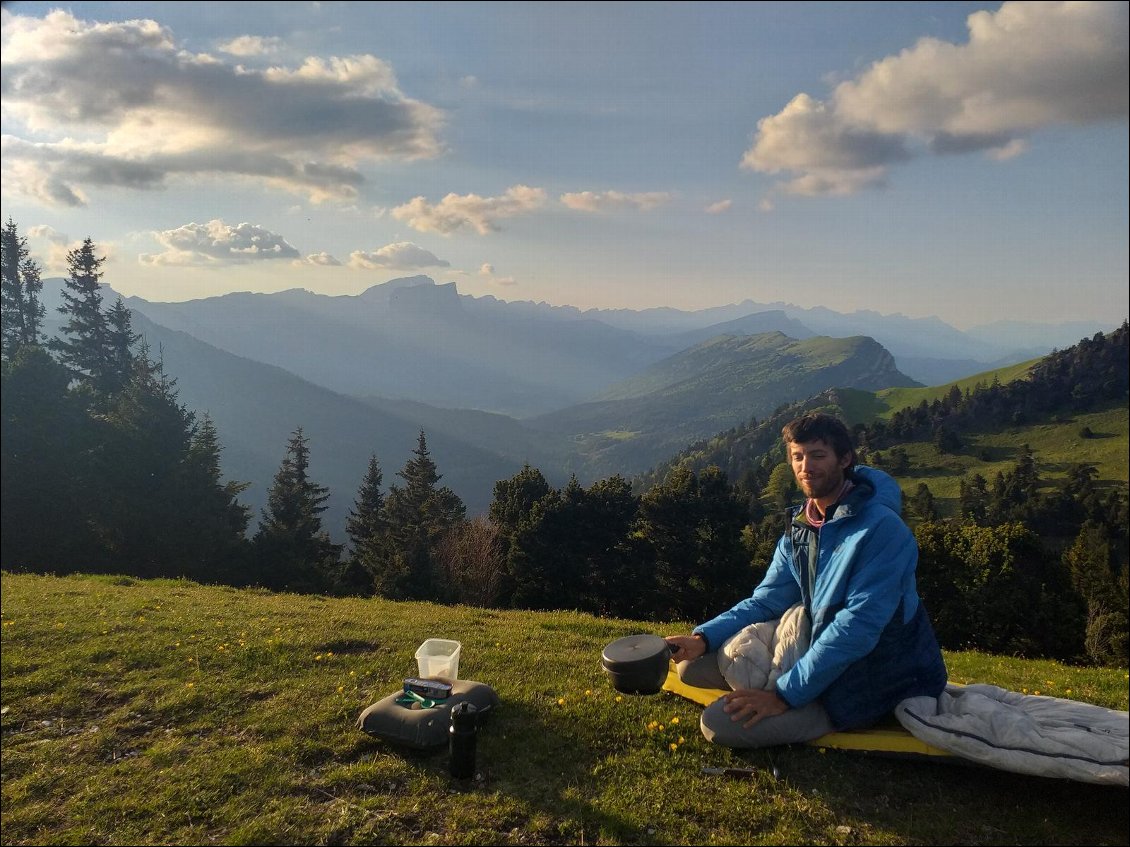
883, 486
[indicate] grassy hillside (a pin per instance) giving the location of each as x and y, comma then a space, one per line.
891, 400
166, 712
1055, 440
1056, 445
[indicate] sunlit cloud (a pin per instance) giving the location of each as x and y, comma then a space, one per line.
403, 255
487, 273
123, 105
1025, 67
216, 243
47, 233
607, 201
250, 45
54, 247
719, 207
322, 259
469, 211
1014, 148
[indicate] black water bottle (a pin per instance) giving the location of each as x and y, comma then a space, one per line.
463, 733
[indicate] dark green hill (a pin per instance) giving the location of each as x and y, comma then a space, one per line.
713, 385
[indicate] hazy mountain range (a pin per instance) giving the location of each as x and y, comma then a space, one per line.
496, 385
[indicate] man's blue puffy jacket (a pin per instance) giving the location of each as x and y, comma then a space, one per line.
872, 642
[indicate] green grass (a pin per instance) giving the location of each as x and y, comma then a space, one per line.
164, 712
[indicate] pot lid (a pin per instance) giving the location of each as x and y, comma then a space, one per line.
632, 651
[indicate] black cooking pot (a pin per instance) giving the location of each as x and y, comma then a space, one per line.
637, 664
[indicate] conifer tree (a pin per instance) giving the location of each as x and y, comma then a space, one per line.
368, 533
21, 312
143, 434
86, 349
417, 515
366, 519
293, 551
211, 520
120, 340
611, 572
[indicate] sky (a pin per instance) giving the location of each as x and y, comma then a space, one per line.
960, 160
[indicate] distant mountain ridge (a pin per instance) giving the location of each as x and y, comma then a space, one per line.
414, 339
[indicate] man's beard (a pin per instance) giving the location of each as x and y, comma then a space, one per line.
824, 487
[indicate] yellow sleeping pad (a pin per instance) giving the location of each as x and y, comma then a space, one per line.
888, 738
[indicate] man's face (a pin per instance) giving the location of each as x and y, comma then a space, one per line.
819, 472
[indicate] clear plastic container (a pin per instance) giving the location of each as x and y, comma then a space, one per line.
439, 657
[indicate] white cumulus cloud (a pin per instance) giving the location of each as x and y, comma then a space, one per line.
403, 255
216, 243
122, 104
48, 233
250, 45
1026, 66
606, 201
469, 211
719, 207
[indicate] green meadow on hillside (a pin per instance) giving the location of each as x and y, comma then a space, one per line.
890, 400
1056, 444
163, 712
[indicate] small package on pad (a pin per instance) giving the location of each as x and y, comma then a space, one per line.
432, 689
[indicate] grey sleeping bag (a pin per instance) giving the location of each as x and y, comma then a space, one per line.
1023, 733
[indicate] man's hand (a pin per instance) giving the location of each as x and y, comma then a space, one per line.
753, 704
685, 647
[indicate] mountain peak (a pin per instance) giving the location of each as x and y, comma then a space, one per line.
383, 289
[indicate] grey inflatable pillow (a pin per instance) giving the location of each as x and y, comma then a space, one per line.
419, 728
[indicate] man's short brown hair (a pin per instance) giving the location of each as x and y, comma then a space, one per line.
817, 426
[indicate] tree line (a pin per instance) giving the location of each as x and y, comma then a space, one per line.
104, 470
